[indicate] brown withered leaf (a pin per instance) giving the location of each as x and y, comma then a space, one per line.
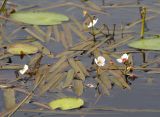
48, 33
34, 34
53, 79
82, 67
77, 69
56, 33
77, 23
63, 40
105, 80
78, 33
68, 34
93, 5
54, 66
69, 78
103, 87
9, 98
118, 75
78, 87
43, 49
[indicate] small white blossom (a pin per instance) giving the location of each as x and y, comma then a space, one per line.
123, 58
92, 23
90, 85
100, 61
25, 68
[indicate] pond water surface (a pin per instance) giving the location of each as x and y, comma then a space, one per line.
143, 95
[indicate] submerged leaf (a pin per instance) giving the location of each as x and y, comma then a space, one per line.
147, 44
19, 48
9, 98
69, 78
66, 103
78, 86
77, 69
43, 49
39, 18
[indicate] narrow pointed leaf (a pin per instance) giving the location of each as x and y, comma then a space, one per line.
78, 87
58, 63
82, 67
78, 71
43, 49
69, 78
9, 98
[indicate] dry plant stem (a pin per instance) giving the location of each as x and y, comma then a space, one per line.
139, 21
134, 68
98, 71
143, 14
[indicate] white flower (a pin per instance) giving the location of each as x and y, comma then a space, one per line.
100, 61
25, 68
123, 58
90, 85
92, 23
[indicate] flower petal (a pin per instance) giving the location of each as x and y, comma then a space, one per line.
119, 60
95, 60
125, 56
101, 58
91, 24
102, 64
22, 71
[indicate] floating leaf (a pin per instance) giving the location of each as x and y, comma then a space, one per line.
19, 48
147, 44
39, 18
66, 103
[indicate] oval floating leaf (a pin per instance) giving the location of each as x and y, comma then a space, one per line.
147, 44
39, 18
66, 103
22, 48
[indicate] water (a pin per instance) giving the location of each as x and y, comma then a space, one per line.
143, 94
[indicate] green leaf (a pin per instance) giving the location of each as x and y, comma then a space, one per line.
66, 103
147, 44
39, 18
21, 48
